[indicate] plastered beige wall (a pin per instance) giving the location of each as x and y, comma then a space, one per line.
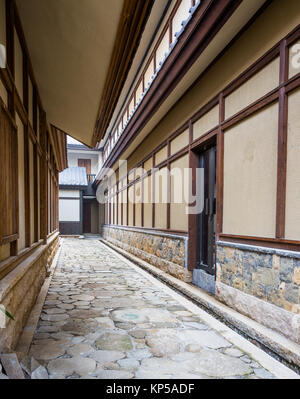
207, 122
148, 164
130, 205
160, 181
257, 86
178, 215
250, 175
138, 204
115, 209
180, 142
148, 201
119, 207
294, 59
292, 227
161, 155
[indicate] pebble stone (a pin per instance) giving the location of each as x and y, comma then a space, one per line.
104, 320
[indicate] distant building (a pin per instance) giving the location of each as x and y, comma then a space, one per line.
78, 206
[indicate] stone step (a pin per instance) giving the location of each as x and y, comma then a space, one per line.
12, 366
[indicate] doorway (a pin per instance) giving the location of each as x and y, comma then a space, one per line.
86, 222
204, 272
207, 219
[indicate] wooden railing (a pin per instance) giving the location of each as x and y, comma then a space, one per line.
90, 177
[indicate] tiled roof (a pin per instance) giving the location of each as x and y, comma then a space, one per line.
75, 176
80, 147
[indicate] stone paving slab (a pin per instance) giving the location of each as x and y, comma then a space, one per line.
103, 319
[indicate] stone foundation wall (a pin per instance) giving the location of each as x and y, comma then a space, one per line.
262, 283
20, 288
165, 251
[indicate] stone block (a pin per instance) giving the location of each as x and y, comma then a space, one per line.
20, 289
286, 269
291, 293
274, 317
297, 275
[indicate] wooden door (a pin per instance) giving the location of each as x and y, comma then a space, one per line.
85, 163
207, 218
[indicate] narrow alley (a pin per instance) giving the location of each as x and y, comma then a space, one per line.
105, 318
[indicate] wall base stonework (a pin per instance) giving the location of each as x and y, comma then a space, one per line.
20, 288
204, 280
271, 316
163, 250
261, 283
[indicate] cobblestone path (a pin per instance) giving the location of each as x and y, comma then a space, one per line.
104, 319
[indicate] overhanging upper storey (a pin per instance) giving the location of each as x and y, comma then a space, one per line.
81, 51
192, 35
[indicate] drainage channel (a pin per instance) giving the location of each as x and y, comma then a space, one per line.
254, 341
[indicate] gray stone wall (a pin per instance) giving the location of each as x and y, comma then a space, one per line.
165, 251
20, 288
268, 274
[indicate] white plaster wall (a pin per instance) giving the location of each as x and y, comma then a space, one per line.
69, 193
69, 210
73, 160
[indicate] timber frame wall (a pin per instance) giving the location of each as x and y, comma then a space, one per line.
129, 108
216, 135
49, 156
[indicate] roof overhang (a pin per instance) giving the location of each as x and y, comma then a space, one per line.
81, 52
214, 25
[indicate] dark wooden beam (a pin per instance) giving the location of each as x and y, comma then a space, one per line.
282, 144
205, 24
131, 26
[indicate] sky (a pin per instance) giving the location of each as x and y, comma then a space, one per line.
72, 141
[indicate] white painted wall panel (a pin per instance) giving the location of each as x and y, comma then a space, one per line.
69, 210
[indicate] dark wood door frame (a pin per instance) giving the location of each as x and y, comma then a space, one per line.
87, 218
193, 237
206, 223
